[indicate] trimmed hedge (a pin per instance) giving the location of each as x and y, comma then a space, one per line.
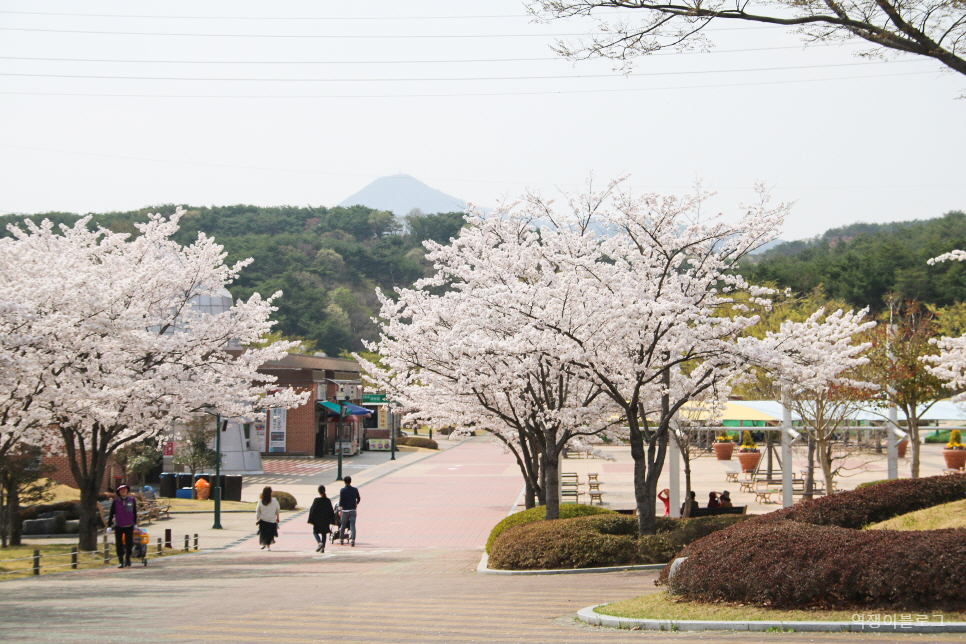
594, 541
813, 554
539, 513
285, 500
860, 507
419, 441
402, 440
784, 564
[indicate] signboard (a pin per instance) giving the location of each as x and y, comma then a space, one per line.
168, 448
379, 444
383, 412
260, 435
276, 430
374, 398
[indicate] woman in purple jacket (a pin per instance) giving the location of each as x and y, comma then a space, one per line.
124, 515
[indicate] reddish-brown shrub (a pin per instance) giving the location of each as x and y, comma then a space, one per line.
787, 563
812, 553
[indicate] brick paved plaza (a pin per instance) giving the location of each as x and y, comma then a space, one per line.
411, 578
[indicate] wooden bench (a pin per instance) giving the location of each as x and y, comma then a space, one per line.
764, 489
708, 512
731, 477
569, 477
571, 494
598, 496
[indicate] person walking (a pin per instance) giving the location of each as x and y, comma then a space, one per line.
267, 516
124, 516
321, 516
349, 500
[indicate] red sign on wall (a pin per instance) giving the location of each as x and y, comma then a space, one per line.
169, 448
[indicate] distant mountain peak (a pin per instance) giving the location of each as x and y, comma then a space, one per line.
400, 193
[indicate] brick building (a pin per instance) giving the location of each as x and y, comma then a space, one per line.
312, 429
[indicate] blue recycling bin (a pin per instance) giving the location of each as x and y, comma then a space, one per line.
184, 493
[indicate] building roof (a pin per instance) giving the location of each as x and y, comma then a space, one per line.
302, 361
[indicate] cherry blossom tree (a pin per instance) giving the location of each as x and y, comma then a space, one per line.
625, 29
120, 347
950, 364
452, 357
814, 362
616, 290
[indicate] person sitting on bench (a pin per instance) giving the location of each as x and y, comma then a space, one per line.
694, 504
725, 500
713, 500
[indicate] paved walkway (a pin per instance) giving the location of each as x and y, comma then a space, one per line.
450, 499
410, 578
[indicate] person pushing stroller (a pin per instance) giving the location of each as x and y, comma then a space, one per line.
349, 500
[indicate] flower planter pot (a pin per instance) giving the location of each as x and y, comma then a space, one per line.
723, 451
749, 460
955, 458
901, 446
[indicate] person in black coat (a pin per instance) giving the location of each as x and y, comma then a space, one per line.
321, 517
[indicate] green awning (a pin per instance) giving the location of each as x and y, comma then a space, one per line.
332, 407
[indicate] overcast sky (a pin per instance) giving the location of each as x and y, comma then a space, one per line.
119, 105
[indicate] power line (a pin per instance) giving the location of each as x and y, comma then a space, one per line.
459, 94
452, 79
386, 62
312, 36
299, 18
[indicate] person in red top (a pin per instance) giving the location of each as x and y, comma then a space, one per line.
124, 514
713, 500
665, 496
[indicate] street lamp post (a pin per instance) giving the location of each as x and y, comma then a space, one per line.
342, 410
217, 487
392, 436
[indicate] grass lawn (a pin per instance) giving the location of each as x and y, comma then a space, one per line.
197, 505
948, 515
661, 606
18, 560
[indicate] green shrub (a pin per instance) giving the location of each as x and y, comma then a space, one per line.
285, 500
938, 437
871, 483
593, 541
567, 511
419, 441
402, 440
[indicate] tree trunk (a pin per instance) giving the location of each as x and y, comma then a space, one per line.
13, 514
645, 513
687, 484
769, 452
913, 427
529, 496
87, 465
824, 447
4, 521
810, 469
551, 471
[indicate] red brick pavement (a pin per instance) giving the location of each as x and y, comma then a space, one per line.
450, 500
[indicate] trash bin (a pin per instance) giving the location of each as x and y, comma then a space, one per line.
169, 484
185, 480
231, 487
207, 477
184, 493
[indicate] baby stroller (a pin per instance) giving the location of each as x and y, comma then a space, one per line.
140, 549
337, 533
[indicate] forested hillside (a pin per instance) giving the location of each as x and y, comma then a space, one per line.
327, 261
862, 263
